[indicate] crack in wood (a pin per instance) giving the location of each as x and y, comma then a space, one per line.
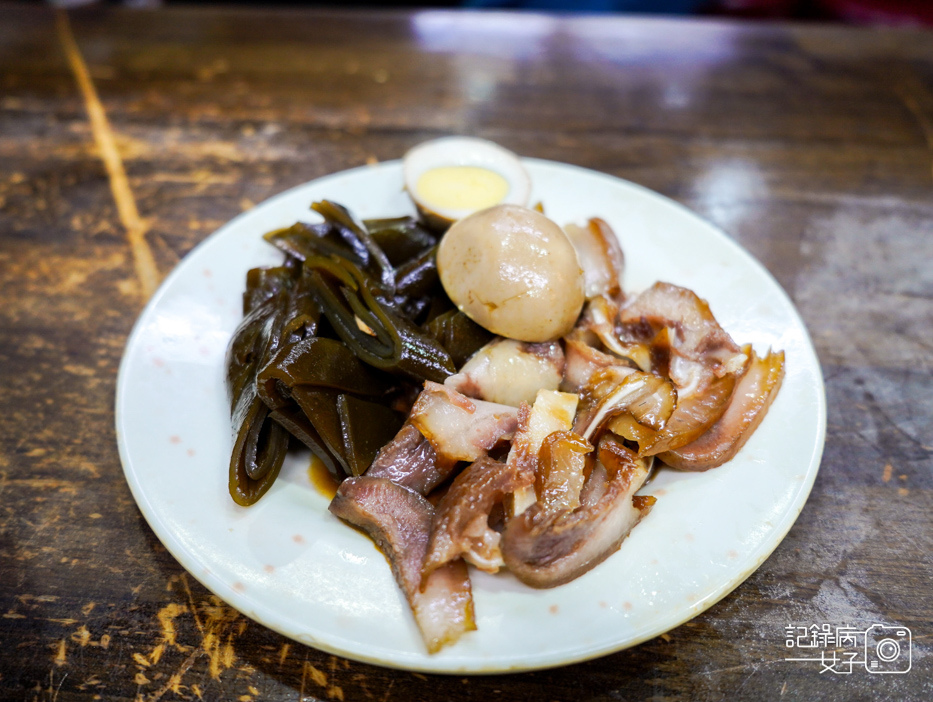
147, 272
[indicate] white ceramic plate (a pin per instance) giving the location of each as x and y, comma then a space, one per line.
288, 563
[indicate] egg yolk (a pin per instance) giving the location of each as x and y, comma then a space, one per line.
462, 188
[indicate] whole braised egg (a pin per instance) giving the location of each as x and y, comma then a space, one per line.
513, 271
453, 177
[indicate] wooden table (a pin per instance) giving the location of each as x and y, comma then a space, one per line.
127, 137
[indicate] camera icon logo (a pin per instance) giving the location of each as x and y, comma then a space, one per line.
887, 649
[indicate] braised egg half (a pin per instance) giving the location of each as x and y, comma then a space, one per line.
453, 177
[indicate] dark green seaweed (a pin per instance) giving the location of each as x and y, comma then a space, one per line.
353, 231
280, 310
459, 334
365, 428
402, 238
336, 342
372, 331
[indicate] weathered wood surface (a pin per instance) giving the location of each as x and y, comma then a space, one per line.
812, 146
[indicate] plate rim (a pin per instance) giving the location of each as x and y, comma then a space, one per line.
227, 593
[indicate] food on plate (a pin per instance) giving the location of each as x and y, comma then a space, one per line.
274, 311
488, 397
752, 396
513, 271
509, 371
399, 520
452, 177
600, 257
548, 545
335, 342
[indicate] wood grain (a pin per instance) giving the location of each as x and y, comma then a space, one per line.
811, 145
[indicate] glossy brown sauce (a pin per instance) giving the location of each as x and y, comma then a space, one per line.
321, 478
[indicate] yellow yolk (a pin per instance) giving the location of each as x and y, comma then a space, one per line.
461, 188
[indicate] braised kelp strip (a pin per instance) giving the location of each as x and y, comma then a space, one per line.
401, 238
353, 231
377, 246
460, 335
308, 379
301, 240
398, 254
259, 448
374, 333
280, 310
334, 341
365, 427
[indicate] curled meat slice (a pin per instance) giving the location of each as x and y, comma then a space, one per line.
599, 320
600, 257
562, 469
459, 428
583, 361
461, 520
749, 403
641, 403
545, 548
695, 414
697, 335
510, 372
702, 360
552, 411
399, 521
411, 461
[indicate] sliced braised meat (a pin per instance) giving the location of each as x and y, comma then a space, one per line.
399, 521
583, 360
599, 320
595, 486
701, 360
562, 470
697, 335
411, 461
510, 372
552, 411
459, 428
639, 404
695, 414
444, 606
749, 404
600, 257
461, 520
546, 548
